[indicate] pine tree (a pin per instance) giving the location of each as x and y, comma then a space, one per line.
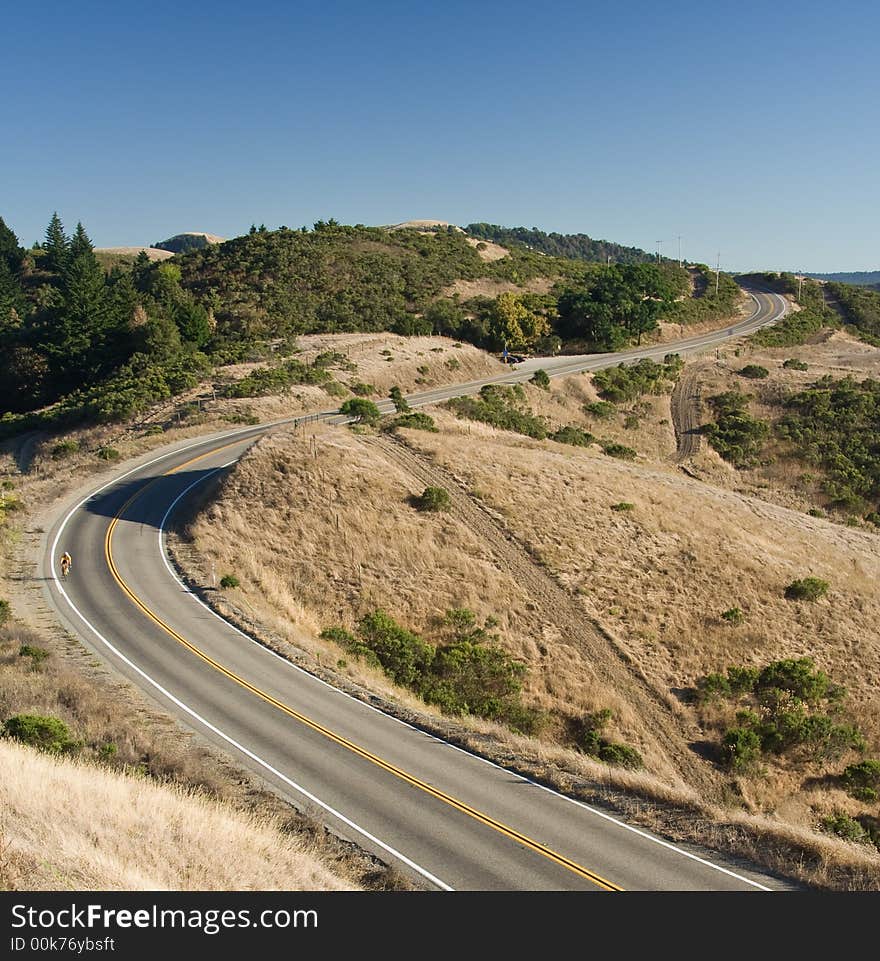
56, 245
80, 245
10, 250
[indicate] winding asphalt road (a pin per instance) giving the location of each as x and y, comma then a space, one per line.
445, 817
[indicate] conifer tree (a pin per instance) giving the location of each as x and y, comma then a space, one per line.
56, 245
10, 250
80, 245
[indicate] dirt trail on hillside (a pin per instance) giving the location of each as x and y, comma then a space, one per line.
612, 666
686, 406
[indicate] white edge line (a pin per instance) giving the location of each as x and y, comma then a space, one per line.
412, 727
188, 710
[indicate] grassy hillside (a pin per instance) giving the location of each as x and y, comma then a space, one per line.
68, 826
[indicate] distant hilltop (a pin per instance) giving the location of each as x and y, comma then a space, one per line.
426, 226
190, 240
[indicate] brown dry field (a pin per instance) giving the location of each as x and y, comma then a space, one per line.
607, 609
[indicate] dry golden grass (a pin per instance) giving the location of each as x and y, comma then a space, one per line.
70, 826
490, 287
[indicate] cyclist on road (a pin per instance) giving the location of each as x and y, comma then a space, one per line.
66, 563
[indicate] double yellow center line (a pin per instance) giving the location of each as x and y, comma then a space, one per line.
397, 772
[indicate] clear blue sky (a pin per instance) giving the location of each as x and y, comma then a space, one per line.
748, 128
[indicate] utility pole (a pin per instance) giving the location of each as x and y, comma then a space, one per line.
679, 250
800, 284
658, 250
717, 273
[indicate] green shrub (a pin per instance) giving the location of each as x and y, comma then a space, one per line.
36, 654
5, 611
573, 435
618, 450
108, 453
540, 378
754, 372
64, 449
794, 364
339, 635
332, 358
793, 329
789, 697
623, 506
404, 656
364, 411
415, 421
845, 827
833, 425
733, 615
798, 677
589, 738
712, 686
453, 363
229, 580
400, 404
279, 377
603, 409
736, 435
627, 382
741, 749
48, 734
469, 674
816, 512
873, 518
503, 407
361, 389
621, 755
862, 780
335, 389
806, 589
432, 499
631, 421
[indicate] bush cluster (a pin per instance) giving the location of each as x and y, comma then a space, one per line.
432, 499
735, 434
806, 589
754, 372
590, 739
833, 425
415, 421
794, 329
786, 705
503, 407
629, 382
468, 673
